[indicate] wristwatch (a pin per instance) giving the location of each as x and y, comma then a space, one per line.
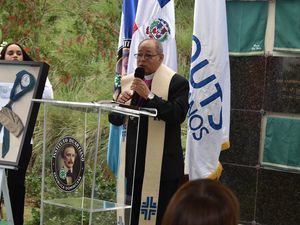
150, 96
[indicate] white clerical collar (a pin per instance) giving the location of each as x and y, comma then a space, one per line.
149, 77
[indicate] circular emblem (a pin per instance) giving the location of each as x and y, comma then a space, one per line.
68, 164
25, 80
159, 29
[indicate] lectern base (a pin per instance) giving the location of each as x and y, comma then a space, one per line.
84, 211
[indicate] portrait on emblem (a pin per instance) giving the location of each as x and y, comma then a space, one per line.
68, 164
20, 82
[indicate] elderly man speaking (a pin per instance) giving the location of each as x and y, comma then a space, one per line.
159, 161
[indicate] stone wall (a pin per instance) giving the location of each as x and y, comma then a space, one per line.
261, 85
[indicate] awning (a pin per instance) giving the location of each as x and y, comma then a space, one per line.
263, 27
287, 26
282, 143
247, 23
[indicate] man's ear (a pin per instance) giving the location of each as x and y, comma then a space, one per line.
161, 57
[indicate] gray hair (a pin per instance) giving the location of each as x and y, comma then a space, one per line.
158, 46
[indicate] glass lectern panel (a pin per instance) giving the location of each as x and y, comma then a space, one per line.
78, 185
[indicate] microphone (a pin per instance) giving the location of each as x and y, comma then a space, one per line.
138, 73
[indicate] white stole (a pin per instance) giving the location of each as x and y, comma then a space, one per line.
155, 146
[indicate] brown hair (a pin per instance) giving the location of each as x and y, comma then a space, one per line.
202, 202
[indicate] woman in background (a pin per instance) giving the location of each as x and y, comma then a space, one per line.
202, 202
15, 52
16, 178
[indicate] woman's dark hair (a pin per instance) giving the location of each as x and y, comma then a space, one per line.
26, 57
202, 202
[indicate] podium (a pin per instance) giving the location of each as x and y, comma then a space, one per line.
77, 144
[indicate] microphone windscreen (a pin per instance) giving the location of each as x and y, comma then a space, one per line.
139, 72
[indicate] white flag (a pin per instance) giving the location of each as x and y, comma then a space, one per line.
209, 113
155, 19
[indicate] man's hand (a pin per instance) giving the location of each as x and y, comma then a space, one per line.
124, 97
140, 87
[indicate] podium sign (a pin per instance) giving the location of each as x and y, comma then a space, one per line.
77, 184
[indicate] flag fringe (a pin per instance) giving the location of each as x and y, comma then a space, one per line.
217, 173
225, 146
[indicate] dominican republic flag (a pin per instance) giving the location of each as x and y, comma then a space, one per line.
209, 100
155, 19
126, 29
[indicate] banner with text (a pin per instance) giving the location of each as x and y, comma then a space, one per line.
209, 113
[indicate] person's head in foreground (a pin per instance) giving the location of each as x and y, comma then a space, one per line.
14, 52
202, 202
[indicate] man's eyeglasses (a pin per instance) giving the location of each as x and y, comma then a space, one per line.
146, 56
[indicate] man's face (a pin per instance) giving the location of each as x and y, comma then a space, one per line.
148, 57
69, 157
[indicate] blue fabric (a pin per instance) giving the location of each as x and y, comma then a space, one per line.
129, 12
162, 3
114, 148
